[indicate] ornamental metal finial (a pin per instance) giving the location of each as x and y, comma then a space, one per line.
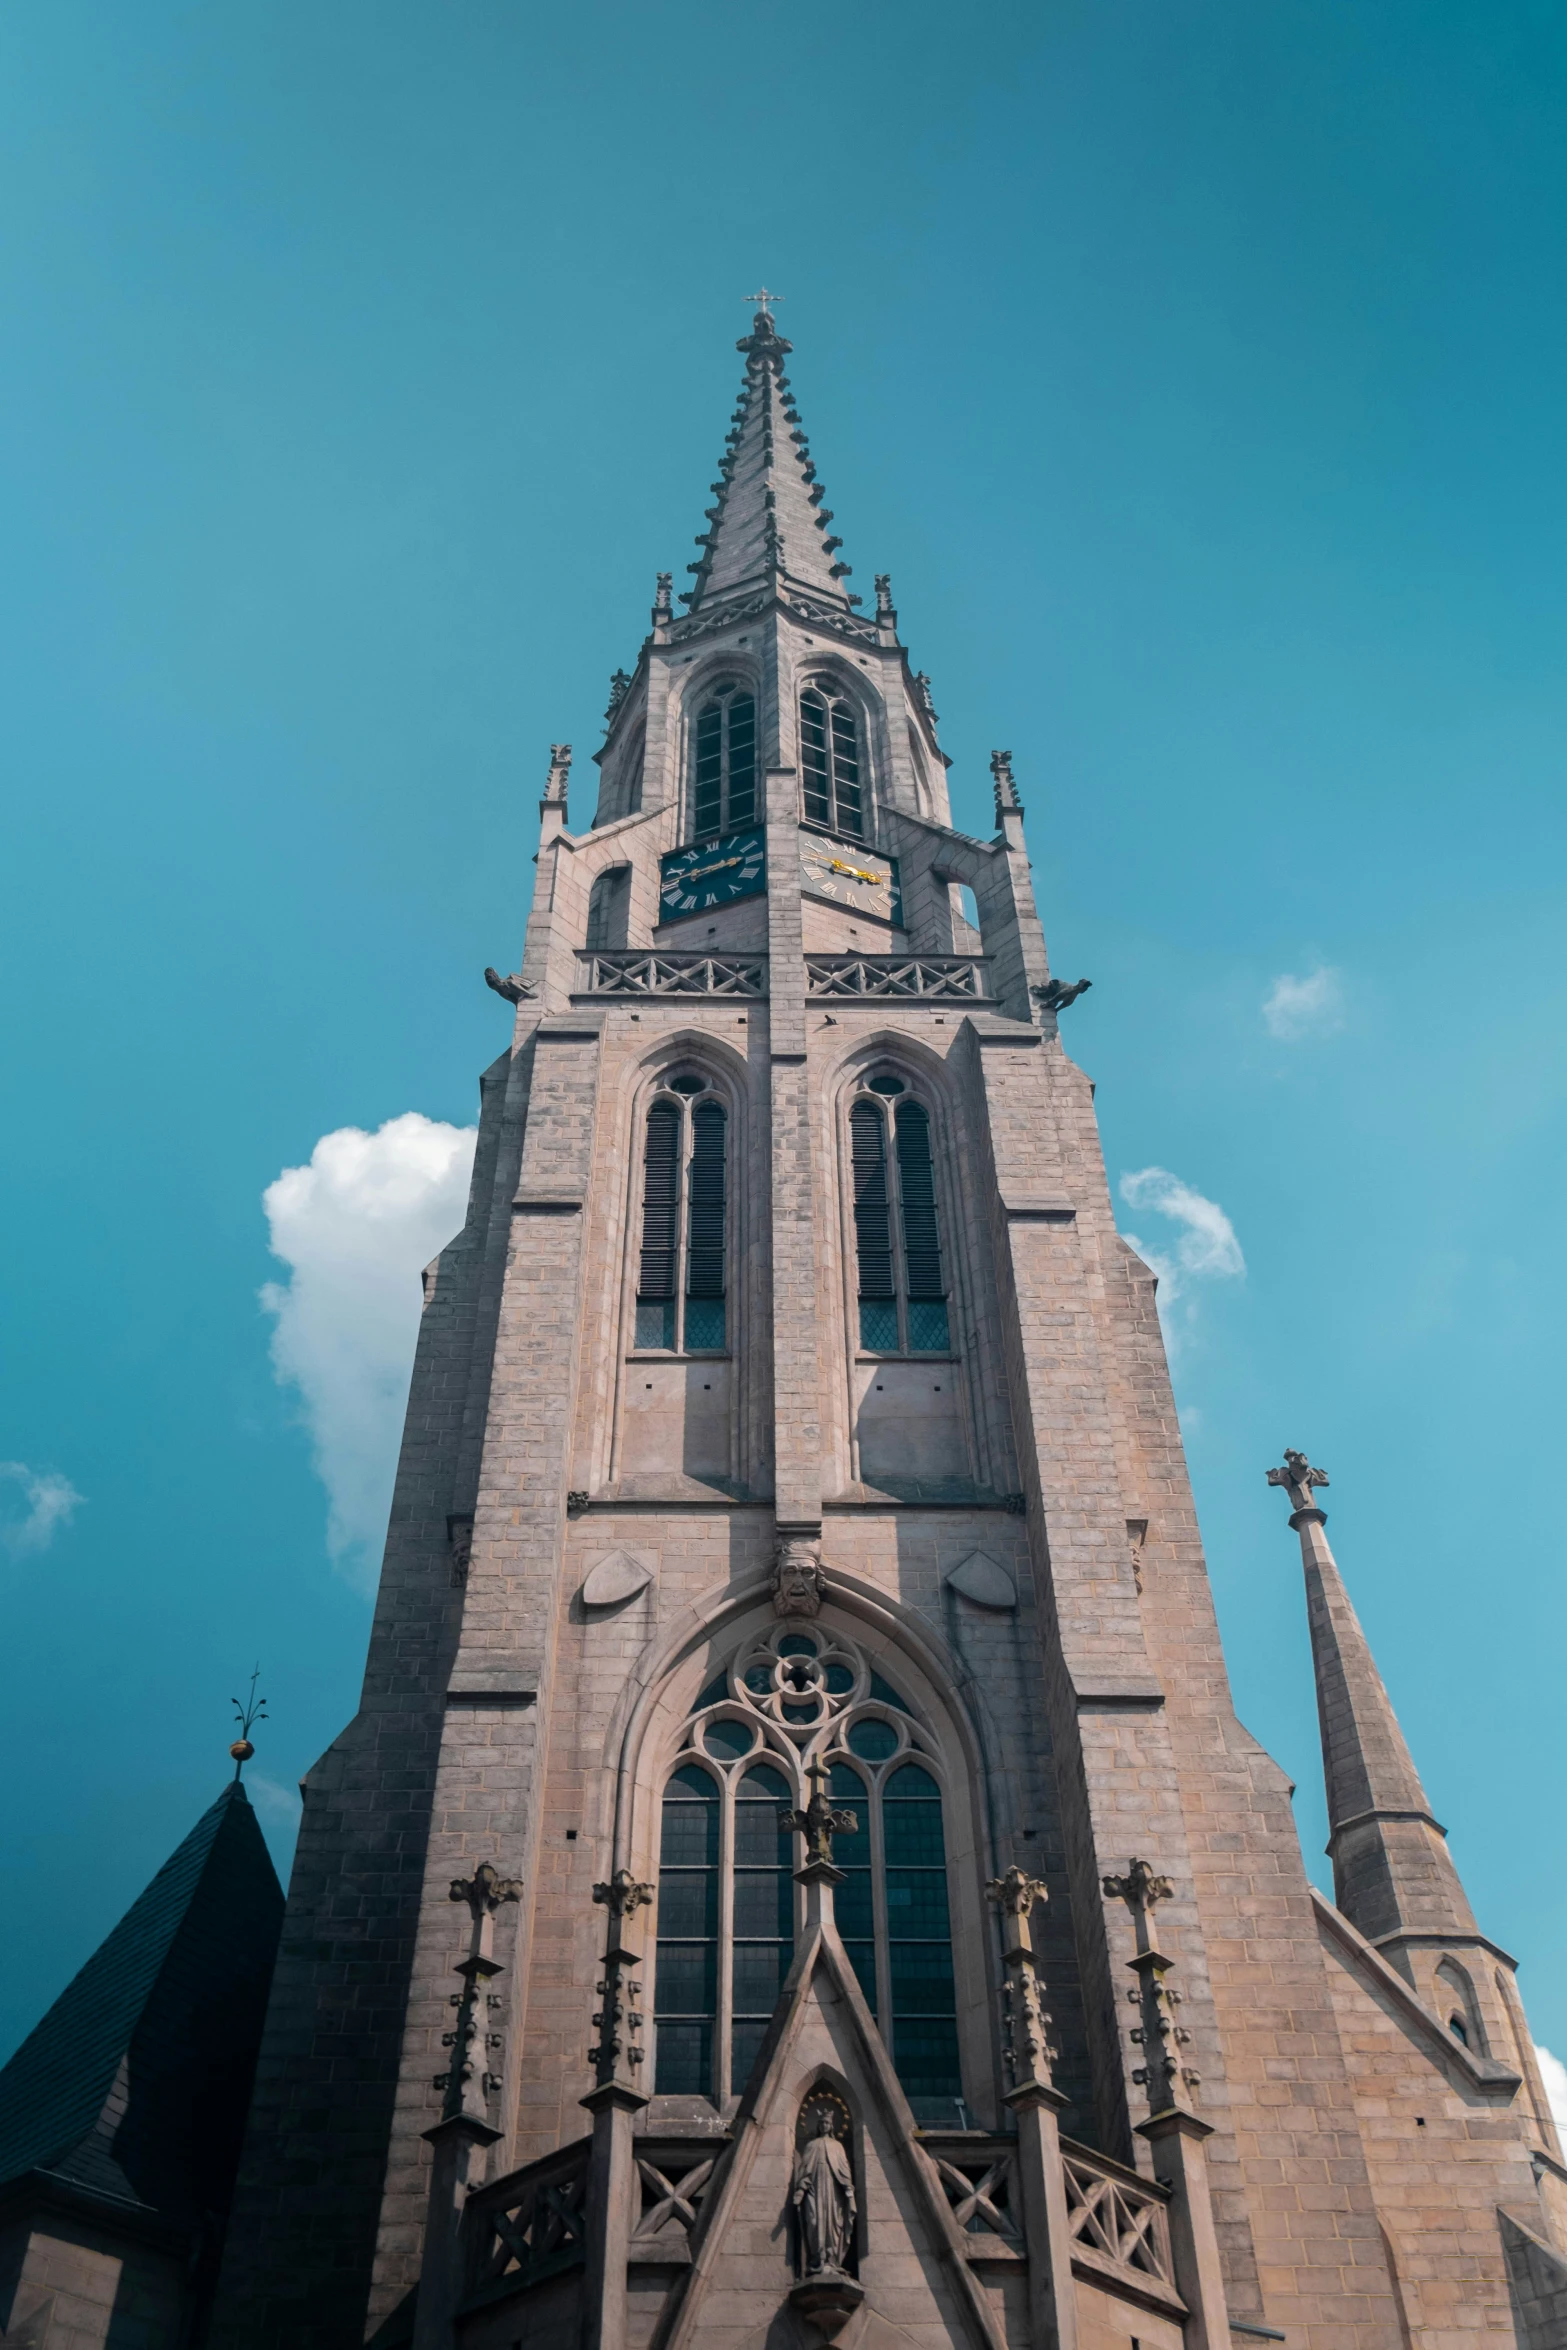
764, 302
253, 1710
818, 1823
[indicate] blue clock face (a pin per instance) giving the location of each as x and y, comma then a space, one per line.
692, 880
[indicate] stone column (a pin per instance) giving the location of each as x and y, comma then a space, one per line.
1037, 2103
464, 2131
614, 2102
1173, 2130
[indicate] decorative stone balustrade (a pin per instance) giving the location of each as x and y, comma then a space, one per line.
873, 977
634, 972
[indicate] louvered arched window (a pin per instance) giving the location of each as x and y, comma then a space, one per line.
723, 787
681, 1284
726, 1897
902, 1284
830, 761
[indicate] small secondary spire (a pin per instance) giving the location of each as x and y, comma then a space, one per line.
1392, 1872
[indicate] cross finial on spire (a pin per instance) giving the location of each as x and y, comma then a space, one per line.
1298, 1477
763, 300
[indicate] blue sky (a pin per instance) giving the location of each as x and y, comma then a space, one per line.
1196, 371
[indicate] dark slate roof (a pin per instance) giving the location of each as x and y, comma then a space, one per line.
134, 2085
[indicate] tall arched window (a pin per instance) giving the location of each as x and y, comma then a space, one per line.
681, 1302
723, 790
609, 908
726, 1897
830, 761
902, 1289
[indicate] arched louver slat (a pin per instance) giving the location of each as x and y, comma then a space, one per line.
705, 1238
660, 1227
873, 1229
917, 1190
925, 1290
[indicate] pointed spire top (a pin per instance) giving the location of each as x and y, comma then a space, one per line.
767, 527
1392, 1872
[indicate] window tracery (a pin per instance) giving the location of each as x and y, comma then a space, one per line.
681, 1272
723, 787
728, 1912
902, 1289
830, 760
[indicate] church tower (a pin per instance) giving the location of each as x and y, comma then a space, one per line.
796, 1874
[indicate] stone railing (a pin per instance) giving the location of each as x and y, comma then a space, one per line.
1120, 2227
527, 2226
963, 976
979, 2178
666, 2215
621, 971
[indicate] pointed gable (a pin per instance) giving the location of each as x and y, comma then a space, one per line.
919, 2290
134, 2084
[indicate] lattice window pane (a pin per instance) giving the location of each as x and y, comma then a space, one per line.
846, 770
709, 789
742, 763
815, 765
763, 1913
687, 1978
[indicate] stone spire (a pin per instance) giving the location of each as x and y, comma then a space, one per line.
768, 523
1392, 1873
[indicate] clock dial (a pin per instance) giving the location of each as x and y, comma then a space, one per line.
851, 876
712, 873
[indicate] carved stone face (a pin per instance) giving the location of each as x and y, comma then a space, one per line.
798, 1581
824, 2122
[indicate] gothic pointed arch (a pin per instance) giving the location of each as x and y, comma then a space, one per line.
717, 1748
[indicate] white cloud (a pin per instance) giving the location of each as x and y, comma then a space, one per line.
1554, 2074
47, 1500
1313, 1006
277, 1805
356, 1228
1203, 1247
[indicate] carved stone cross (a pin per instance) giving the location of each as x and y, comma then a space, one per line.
1297, 1478
818, 1823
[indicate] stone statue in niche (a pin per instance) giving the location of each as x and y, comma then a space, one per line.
823, 2192
799, 1585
